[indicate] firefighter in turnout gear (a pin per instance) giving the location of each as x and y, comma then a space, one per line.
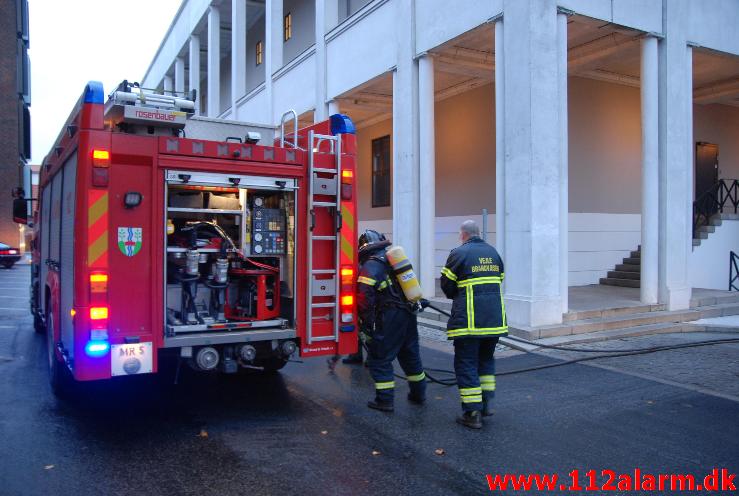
472, 278
388, 324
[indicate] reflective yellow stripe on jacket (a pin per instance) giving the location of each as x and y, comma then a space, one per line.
366, 280
469, 284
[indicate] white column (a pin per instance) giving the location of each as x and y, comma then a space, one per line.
321, 112
650, 171
532, 169
405, 135
167, 84
238, 53
675, 159
179, 75
427, 175
564, 204
499, 141
333, 107
195, 69
214, 61
277, 33
273, 49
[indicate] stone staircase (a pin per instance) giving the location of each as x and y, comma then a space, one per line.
627, 273
612, 322
716, 220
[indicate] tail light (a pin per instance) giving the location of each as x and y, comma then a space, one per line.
98, 283
100, 158
347, 294
100, 164
98, 313
347, 180
98, 345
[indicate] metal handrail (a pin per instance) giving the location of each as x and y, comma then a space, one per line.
295, 128
733, 271
721, 198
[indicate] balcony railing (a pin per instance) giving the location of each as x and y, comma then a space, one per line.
723, 197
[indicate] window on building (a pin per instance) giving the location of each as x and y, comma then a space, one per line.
381, 172
259, 52
288, 26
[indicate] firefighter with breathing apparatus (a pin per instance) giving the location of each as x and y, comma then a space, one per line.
472, 278
388, 298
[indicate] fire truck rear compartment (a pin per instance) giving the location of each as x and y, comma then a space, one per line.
230, 269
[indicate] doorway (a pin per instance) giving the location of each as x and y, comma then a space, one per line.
706, 167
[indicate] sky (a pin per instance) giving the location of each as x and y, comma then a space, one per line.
76, 41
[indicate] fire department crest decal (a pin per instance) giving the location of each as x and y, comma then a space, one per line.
129, 240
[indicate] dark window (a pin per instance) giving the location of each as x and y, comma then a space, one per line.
21, 9
288, 26
381, 172
260, 52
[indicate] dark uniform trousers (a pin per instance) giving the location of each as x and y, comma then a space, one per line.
391, 330
472, 278
474, 366
397, 338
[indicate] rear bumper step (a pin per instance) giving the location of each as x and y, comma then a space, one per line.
211, 337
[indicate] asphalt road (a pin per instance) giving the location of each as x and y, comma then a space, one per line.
307, 431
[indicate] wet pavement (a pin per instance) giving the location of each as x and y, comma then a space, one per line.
307, 431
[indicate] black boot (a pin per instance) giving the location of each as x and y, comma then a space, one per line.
416, 399
382, 406
353, 359
487, 411
473, 419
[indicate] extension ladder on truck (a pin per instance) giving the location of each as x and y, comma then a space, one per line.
324, 244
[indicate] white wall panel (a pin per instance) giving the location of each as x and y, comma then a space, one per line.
295, 88
597, 241
709, 262
714, 24
645, 15
255, 108
435, 25
639, 14
362, 51
184, 23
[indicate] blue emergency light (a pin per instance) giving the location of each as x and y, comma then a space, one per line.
97, 348
342, 124
94, 92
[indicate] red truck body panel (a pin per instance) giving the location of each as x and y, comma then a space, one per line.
135, 295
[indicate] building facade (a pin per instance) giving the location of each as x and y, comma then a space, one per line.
15, 120
586, 128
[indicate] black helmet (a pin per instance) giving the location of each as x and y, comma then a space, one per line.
371, 241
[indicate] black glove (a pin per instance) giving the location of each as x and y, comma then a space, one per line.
424, 303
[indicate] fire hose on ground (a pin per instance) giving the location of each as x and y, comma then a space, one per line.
604, 354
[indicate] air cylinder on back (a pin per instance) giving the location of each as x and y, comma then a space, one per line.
404, 273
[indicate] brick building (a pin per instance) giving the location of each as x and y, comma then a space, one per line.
15, 98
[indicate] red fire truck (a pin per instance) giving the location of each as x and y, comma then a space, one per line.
159, 231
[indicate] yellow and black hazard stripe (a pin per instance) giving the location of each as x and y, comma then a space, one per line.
97, 229
347, 233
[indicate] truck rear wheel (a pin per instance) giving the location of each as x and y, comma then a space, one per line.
59, 377
38, 323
